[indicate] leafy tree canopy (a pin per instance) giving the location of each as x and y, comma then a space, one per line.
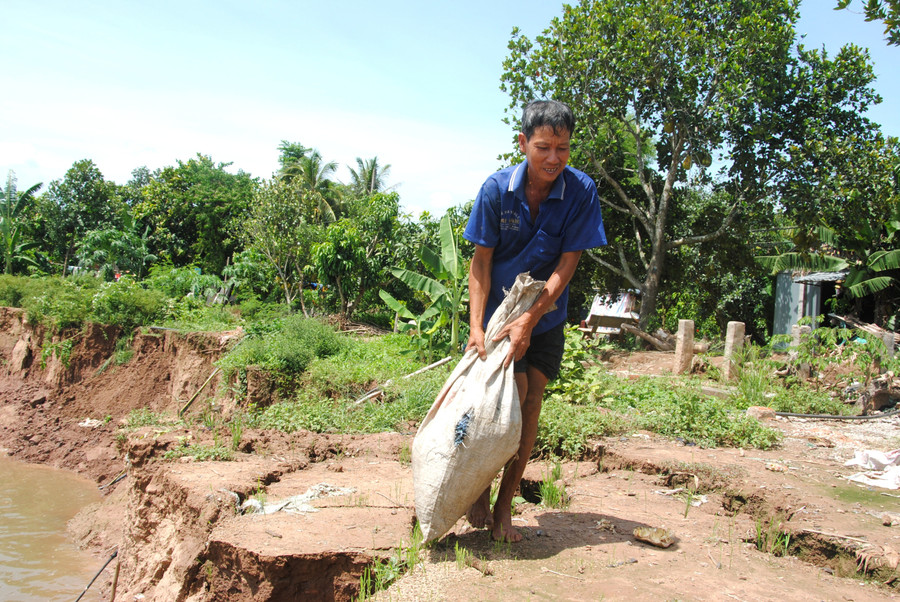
699, 93
886, 11
195, 211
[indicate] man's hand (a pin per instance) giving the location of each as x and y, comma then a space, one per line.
476, 341
519, 333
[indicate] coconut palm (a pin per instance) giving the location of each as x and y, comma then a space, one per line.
369, 177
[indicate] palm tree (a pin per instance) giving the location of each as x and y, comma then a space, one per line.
369, 177
291, 153
314, 172
12, 203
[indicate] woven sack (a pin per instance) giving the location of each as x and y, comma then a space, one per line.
473, 427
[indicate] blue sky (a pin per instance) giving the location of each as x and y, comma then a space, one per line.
128, 84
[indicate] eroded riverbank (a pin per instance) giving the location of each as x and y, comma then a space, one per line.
181, 535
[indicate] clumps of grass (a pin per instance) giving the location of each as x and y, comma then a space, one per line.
201, 453
463, 556
772, 538
327, 391
381, 574
122, 353
236, 428
566, 427
551, 489
145, 417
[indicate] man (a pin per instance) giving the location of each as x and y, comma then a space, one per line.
534, 217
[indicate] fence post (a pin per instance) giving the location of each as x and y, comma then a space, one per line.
734, 343
684, 347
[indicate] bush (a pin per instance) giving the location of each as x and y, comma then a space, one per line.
127, 304
64, 303
285, 346
12, 290
184, 281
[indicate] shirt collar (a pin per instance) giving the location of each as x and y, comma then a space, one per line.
517, 183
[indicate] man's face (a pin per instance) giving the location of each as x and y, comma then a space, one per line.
547, 153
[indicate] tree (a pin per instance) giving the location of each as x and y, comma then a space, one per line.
279, 229
12, 204
368, 177
83, 200
112, 251
660, 90
357, 251
196, 212
834, 167
291, 152
312, 174
886, 11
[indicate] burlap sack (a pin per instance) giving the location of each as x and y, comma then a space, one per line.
474, 426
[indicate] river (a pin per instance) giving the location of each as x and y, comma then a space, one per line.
37, 560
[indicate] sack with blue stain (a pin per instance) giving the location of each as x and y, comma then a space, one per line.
474, 426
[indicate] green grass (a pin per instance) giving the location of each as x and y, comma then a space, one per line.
325, 395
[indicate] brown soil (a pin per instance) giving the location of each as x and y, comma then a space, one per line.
180, 535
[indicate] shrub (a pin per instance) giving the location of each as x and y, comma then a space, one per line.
64, 303
285, 346
127, 304
183, 281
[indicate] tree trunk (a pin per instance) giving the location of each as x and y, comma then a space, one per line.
302, 300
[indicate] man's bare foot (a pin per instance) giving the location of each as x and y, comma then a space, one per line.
479, 515
505, 532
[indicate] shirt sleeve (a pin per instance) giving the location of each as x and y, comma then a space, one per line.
483, 228
585, 230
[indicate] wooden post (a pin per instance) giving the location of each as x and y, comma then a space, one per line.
684, 347
734, 343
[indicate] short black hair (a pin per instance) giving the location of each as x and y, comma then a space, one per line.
553, 113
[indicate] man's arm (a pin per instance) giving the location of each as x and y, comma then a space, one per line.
519, 331
479, 287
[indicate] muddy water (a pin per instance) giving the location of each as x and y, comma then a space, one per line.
37, 561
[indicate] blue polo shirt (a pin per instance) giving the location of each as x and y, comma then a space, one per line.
569, 220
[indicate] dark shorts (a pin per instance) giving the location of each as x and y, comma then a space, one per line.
545, 352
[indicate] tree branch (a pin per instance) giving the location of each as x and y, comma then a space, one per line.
620, 192
695, 240
624, 272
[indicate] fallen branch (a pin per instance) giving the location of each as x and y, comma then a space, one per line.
656, 342
546, 570
378, 390
479, 566
836, 535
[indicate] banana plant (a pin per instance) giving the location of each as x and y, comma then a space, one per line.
448, 286
12, 204
867, 273
422, 327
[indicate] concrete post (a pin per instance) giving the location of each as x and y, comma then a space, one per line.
888, 339
803, 369
684, 347
734, 343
